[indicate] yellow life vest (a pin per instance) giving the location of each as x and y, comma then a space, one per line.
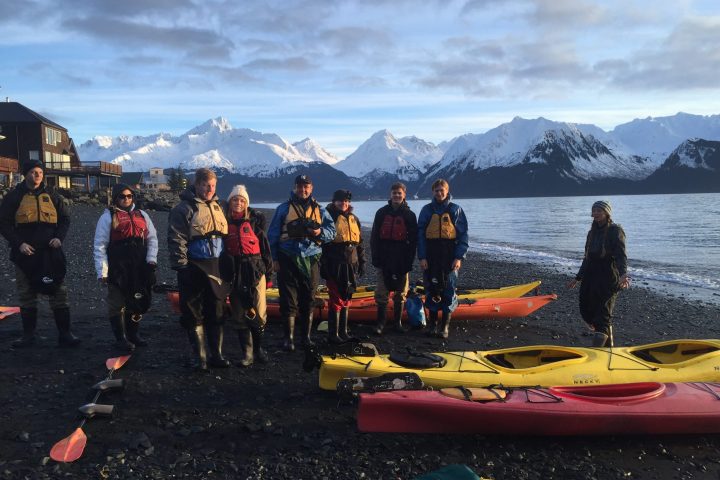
311, 213
440, 227
36, 209
208, 220
348, 229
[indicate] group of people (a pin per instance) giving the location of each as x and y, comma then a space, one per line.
222, 249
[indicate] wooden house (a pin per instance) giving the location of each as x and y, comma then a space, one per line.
31, 136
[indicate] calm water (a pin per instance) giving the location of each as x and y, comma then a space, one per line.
673, 241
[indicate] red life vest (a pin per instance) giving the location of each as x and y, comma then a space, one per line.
127, 225
241, 239
393, 228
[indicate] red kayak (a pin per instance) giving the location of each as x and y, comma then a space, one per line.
622, 409
482, 308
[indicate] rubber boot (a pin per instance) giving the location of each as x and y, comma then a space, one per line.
343, 330
62, 321
121, 341
334, 327
132, 325
246, 343
381, 318
196, 336
398, 307
599, 339
307, 331
432, 324
289, 344
215, 341
444, 330
257, 334
29, 323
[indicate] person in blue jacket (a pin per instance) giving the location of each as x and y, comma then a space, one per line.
442, 246
297, 231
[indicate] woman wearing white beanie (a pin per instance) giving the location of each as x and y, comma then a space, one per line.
249, 248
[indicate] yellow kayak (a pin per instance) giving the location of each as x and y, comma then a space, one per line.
368, 292
542, 365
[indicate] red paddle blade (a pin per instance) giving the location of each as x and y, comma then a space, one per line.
69, 448
116, 362
7, 311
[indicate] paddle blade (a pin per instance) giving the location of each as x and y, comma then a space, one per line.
116, 362
69, 448
7, 311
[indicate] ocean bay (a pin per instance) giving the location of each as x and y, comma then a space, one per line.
673, 241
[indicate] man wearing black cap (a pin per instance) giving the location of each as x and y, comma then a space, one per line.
126, 247
34, 220
343, 262
298, 229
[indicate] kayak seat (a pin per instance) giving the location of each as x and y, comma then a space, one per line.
500, 360
419, 360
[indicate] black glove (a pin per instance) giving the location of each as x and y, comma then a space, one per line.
361, 270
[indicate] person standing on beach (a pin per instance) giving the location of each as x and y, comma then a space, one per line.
196, 228
126, 248
343, 262
297, 231
442, 247
34, 220
248, 247
603, 273
392, 243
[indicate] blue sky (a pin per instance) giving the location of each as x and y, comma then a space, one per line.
338, 71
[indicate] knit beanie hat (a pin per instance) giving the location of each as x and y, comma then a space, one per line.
30, 164
342, 195
603, 205
239, 191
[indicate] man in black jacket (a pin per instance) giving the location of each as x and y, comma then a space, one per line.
34, 220
393, 242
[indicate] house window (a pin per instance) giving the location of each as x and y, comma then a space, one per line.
52, 136
63, 182
57, 161
34, 155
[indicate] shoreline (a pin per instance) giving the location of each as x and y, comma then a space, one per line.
272, 421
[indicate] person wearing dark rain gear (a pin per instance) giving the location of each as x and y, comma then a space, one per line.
196, 228
297, 231
393, 242
35, 221
126, 248
602, 274
442, 247
342, 264
249, 250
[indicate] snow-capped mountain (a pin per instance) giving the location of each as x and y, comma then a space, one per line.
694, 166
214, 144
311, 149
656, 138
382, 154
577, 151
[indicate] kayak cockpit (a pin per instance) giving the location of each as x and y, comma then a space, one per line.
626, 392
668, 353
517, 359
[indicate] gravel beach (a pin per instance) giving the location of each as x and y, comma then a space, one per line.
272, 421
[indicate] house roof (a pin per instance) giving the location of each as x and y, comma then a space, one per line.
18, 113
131, 178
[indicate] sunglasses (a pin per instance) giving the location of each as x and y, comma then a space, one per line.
130, 195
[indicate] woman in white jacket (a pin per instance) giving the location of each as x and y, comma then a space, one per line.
125, 249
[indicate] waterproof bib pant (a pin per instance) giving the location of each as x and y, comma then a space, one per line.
297, 292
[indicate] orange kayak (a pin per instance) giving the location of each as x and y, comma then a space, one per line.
483, 308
